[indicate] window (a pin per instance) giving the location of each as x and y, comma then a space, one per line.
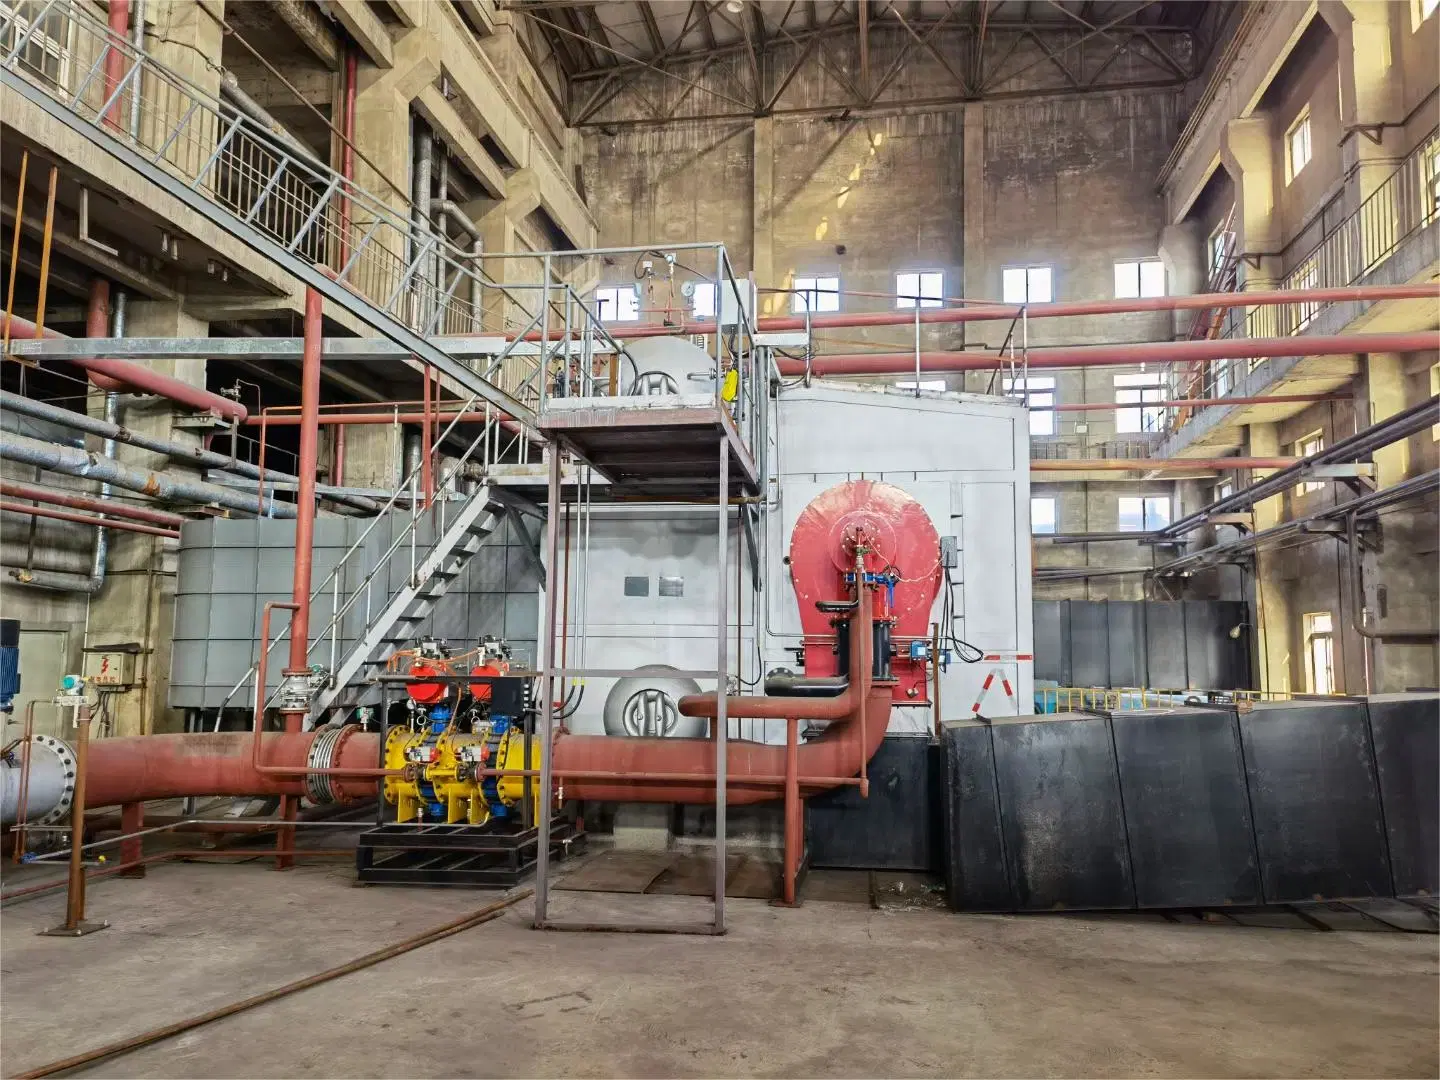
1420, 10
815, 294
702, 300
925, 384
1432, 178
1310, 444
1306, 276
1042, 516
1139, 277
928, 286
1224, 490
47, 49
1027, 285
1144, 513
1038, 395
1297, 146
1135, 390
1320, 651
1220, 370
618, 303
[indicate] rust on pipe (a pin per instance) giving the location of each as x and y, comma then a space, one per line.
1160, 352
86, 519
1158, 464
127, 376
991, 312
113, 507
305, 497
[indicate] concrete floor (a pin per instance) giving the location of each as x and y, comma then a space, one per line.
831, 989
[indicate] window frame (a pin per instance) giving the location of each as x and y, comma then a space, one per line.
1054, 509
814, 293
51, 48
1025, 389
1126, 407
614, 293
905, 300
1324, 637
1299, 126
1139, 266
1027, 270
1305, 446
1150, 519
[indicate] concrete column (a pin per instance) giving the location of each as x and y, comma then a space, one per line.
182, 35
1370, 87
137, 602
761, 203
1183, 251
374, 455
1385, 392
1275, 641
979, 282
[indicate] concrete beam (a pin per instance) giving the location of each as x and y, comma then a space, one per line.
313, 31
481, 12
367, 30
88, 255
411, 13
447, 123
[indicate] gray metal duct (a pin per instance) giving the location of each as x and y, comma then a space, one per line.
159, 485
192, 455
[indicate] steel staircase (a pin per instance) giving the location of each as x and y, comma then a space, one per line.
362, 252
413, 603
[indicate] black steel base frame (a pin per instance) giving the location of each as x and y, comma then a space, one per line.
495, 856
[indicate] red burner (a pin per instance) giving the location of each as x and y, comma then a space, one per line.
898, 537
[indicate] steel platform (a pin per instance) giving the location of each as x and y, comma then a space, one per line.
484, 856
664, 451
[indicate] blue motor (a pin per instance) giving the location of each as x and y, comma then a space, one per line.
9, 664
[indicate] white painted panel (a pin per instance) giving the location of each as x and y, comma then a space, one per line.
990, 553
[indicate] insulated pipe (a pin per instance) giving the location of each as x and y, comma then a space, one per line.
112, 417
984, 312
230, 88
1161, 352
111, 507
137, 38
160, 485
191, 455
305, 497
127, 376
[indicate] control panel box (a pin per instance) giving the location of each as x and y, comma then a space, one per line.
112, 670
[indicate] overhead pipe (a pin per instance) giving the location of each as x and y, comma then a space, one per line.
1159, 353
991, 312
166, 486
1193, 403
190, 455
84, 519
129, 377
112, 507
1156, 464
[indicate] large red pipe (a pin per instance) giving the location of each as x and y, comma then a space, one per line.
85, 519
112, 507
1163, 352
115, 58
306, 471
126, 376
1005, 312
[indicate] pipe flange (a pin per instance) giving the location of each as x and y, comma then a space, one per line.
322, 753
71, 768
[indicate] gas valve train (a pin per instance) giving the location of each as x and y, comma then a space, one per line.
459, 736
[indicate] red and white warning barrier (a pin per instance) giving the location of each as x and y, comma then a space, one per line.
989, 682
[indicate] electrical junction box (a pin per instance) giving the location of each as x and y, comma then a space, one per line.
113, 670
949, 552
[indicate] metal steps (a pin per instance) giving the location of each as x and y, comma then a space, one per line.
407, 609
